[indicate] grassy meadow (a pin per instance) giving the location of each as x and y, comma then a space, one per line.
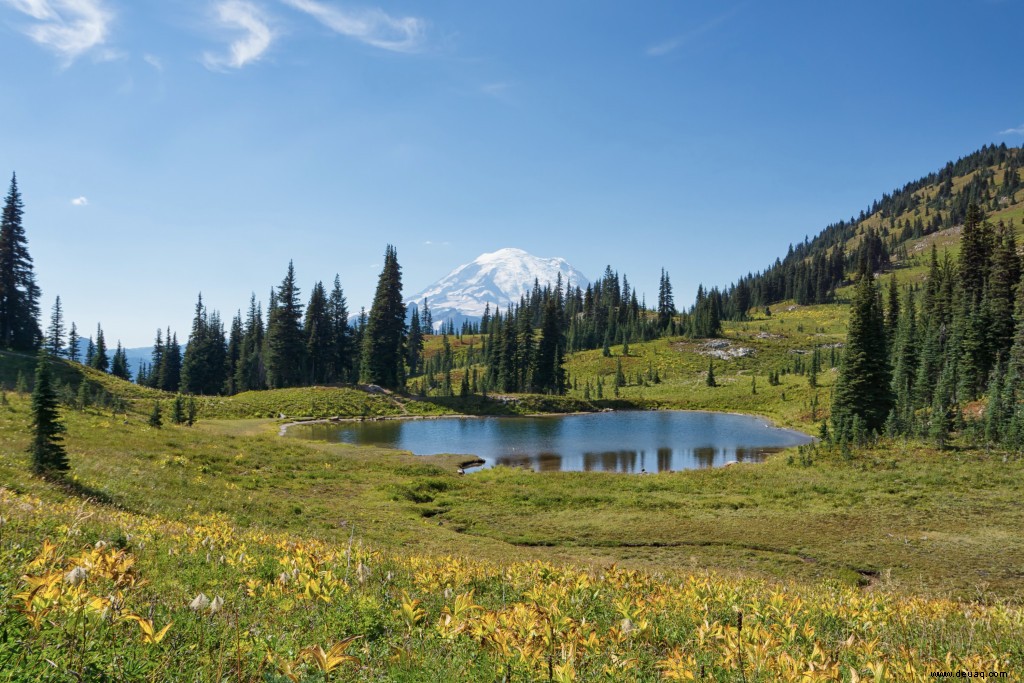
327, 561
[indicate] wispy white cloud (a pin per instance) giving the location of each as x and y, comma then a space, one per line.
673, 44
496, 90
247, 17
371, 26
154, 61
1019, 130
80, 201
68, 27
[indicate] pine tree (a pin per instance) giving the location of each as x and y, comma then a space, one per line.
156, 417
249, 374
156, 360
73, 340
169, 375
119, 366
100, 359
383, 353
666, 302
234, 353
415, 343
549, 375
48, 454
55, 333
863, 389
204, 364
285, 344
340, 366
19, 295
711, 374
317, 327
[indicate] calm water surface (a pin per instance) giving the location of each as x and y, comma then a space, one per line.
629, 441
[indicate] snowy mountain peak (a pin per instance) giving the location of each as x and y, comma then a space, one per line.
497, 278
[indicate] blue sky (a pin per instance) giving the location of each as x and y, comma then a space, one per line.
167, 148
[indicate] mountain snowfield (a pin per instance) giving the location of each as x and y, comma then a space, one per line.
497, 278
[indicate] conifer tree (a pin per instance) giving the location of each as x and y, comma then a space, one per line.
383, 353
48, 454
340, 363
204, 364
863, 389
73, 340
317, 328
19, 294
711, 374
90, 353
549, 375
169, 375
285, 343
155, 416
234, 353
156, 360
119, 366
55, 333
250, 374
100, 359
415, 344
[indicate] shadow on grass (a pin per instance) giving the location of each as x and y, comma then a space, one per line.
78, 489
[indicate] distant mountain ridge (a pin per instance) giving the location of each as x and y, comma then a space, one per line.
497, 278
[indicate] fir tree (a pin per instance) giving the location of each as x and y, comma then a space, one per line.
249, 373
340, 369
55, 333
549, 375
169, 375
155, 416
100, 359
383, 353
711, 374
19, 295
48, 454
234, 353
178, 410
415, 343
863, 389
73, 340
317, 328
285, 343
119, 366
156, 360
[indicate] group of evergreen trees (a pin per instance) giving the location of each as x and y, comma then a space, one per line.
913, 364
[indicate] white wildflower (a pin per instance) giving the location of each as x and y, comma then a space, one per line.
76, 576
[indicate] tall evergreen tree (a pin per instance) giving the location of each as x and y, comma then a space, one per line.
100, 359
204, 364
73, 340
666, 302
340, 365
549, 373
383, 352
234, 355
319, 337
285, 343
55, 332
119, 366
864, 387
169, 373
415, 344
48, 454
156, 360
19, 295
250, 373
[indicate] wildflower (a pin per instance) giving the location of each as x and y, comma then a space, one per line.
216, 605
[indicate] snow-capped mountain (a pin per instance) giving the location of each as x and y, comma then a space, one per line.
498, 278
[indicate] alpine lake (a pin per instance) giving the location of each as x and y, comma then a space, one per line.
620, 441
